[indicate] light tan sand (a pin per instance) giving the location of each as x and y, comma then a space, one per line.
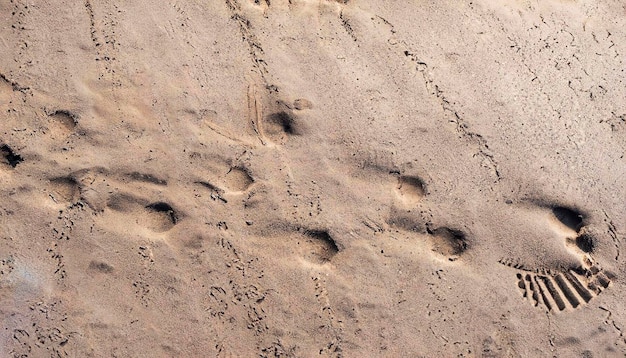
307, 178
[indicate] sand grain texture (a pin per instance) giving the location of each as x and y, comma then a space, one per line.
298, 178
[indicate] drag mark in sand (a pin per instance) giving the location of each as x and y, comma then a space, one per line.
255, 113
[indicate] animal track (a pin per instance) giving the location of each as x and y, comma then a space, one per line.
456, 116
103, 30
334, 326
14, 86
255, 112
345, 23
7, 266
243, 290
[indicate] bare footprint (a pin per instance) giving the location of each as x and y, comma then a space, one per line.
410, 189
157, 216
444, 242
279, 126
238, 179
450, 243
64, 189
313, 246
318, 246
61, 123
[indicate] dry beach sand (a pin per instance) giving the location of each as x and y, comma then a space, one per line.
302, 178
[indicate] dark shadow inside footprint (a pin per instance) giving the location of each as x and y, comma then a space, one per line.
585, 242
11, 157
216, 192
147, 178
283, 122
164, 208
411, 187
100, 266
157, 216
66, 187
568, 217
122, 202
325, 245
449, 242
238, 179
65, 118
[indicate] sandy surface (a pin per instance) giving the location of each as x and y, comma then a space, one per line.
307, 178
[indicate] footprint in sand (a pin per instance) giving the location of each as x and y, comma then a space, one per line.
450, 243
158, 216
312, 245
64, 190
61, 123
410, 189
559, 286
283, 120
445, 242
237, 180
318, 246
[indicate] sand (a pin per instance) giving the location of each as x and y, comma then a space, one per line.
300, 178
